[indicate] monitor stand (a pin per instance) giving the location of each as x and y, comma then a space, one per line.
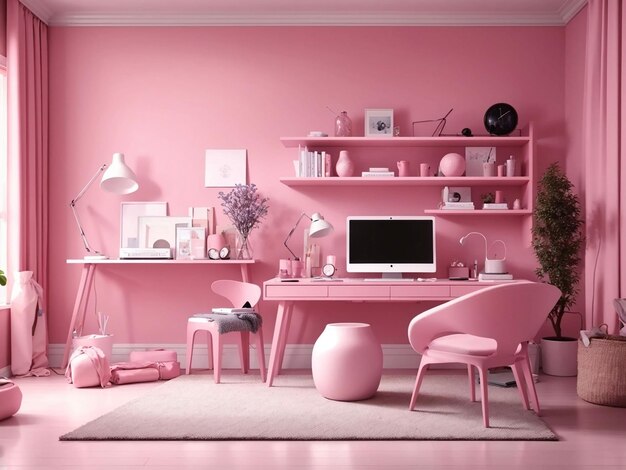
389, 277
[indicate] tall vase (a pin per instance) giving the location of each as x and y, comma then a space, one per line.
243, 248
345, 165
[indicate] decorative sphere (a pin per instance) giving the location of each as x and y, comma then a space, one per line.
452, 164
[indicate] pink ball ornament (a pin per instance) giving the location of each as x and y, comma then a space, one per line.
452, 164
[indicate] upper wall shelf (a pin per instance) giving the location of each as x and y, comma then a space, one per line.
407, 181
391, 142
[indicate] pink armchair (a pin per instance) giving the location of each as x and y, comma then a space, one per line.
487, 328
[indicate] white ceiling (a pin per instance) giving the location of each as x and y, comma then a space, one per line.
304, 12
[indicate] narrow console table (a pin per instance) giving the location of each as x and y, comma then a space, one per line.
287, 292
87, 275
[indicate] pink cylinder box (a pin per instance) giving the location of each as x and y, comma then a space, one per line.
424, 169
10, 400
347, 362
403, 168
499, 197
297, 268
501, 170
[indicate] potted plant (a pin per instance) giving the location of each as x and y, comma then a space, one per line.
3, 278
557, 240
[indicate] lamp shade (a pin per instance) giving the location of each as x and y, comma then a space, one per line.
119, 178
319, 227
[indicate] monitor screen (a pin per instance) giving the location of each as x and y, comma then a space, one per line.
391, 245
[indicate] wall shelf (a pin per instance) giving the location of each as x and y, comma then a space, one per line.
407, 181
478, 212
390, 142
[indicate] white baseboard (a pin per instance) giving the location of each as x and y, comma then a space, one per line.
297, 356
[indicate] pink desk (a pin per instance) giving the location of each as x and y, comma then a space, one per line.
86, 280
350, 289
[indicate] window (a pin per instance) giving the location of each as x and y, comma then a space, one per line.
3, 175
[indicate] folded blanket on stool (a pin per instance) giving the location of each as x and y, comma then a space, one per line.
234, 322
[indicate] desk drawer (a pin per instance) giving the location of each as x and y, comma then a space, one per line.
421, 291
291, 291
458, 291
359, 292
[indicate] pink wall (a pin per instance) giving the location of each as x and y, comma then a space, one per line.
575, 44
3, 27
164, 95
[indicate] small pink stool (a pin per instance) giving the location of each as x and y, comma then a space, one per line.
347, 362
10, 400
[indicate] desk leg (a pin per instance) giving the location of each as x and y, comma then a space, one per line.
80, 306
280, 334
283, 342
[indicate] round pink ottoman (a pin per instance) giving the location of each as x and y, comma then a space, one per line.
347, 362
10, 400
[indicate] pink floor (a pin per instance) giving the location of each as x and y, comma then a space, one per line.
592, 437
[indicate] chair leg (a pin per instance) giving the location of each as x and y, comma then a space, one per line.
418, 382
518, 373
260, 350
530, 384
209, 348
191, 332
472, 385
244, 351
482, 373
217, 358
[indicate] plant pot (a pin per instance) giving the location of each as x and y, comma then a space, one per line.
559, 356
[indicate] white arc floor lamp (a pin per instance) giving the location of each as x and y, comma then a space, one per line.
319, 228
118, 178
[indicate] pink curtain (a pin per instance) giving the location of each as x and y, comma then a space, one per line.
604, 137
27, 83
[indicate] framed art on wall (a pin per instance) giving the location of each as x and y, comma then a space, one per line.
224, 168
476, 157
378, 122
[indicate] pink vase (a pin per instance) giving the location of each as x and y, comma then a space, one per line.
345, 166
347, 362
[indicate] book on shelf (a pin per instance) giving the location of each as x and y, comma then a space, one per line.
495, 206
379, 169
312, 164
495, 277
458, 205
369, 174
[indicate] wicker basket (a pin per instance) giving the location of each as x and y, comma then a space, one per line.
602, 371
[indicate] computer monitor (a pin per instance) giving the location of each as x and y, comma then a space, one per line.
391, 245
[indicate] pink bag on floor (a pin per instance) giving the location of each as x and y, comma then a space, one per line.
88, 367
134, 372
28, 328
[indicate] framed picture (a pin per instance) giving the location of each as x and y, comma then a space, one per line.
475, 157
160, 232
129, 220
378, 122
224, 168
190, 243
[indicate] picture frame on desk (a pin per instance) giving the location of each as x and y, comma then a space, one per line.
190, 243
378, 122
129, 219
160, 232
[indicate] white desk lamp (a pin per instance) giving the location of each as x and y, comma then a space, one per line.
118, 179
319, 228
492, 266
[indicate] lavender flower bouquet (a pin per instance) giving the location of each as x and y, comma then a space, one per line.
245, 208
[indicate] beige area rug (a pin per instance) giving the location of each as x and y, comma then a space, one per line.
192, 407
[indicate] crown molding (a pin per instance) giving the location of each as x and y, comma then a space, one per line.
570, 9
39, 9
313, 19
